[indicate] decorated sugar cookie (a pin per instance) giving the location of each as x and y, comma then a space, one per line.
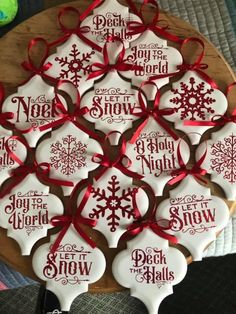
112, 105
70, 268
109, 19
150, 268
74, 55
220, 158
111, 204
195, 214
33, 106
194, 98
69, 153
151, 51
27, 210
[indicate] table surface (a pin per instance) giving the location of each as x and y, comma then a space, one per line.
13, 49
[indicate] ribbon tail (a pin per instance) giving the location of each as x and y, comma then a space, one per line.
85, 236
200, 123
167, 128
89, 42
59, 238
52, 124
11, 186
89, 132
164, 235
177, 179
206, 78
129, 173
138, 131
56, 181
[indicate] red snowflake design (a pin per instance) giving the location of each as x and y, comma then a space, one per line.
225, 158
193, 101
70, 155
75, 66
114, 203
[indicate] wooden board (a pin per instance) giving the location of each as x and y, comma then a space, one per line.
13, 48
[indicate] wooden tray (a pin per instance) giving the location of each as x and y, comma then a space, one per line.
13, 49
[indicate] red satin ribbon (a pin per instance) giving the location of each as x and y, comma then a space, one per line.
183, 172
138, 27
120, 65
66, 220
155, 112
78, 30
66, 116
42, 68
41, 170
104, 161
197, 66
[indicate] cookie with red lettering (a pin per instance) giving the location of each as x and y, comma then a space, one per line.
70, 268
196, 215
27, 210
112, 105
33, 106
156, 58
154, 155
149, 267
110, 19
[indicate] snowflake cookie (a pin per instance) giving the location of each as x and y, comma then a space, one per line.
193, 99
6, 162
153, 54
154, 155
72, 62
112, 105
33, 106
110, 19
220, 159
70, 269
27, 210
69, 152
196, 215
111, 203
149, 267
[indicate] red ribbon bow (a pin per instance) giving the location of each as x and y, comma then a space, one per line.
104, 161
196, 171
78, 30
140, 224
197, 66
140, 27
155, 112
120, 65
30, 66
41, 170
66, 220
67, 116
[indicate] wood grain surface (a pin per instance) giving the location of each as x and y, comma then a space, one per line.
13, 48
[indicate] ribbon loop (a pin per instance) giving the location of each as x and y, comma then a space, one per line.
29, 65
78, 30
